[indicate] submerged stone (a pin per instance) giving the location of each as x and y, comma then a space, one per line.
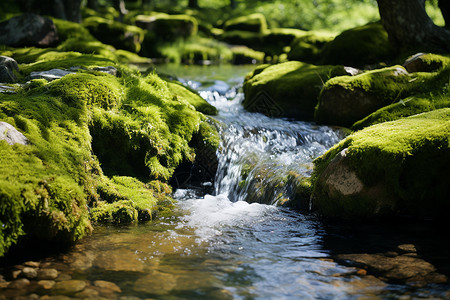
69, 287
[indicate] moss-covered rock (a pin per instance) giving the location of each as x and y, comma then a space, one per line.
359, 46
288, 89
244, 55
67, 29
114, 33
426, 62
276, 40
307, 48
254, 23
246, 38
192, 97
168, 27
390, 169
348, 99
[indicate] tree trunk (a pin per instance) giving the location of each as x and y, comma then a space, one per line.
193, 4
410, 28
444, 5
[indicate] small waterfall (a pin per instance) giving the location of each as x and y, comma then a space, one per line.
260, 157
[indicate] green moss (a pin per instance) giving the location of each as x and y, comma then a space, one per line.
44, 185
114, 33
67, 30
88, 46
276, 40
247, 38
307, 48
245, 55
391, 86
409, 156
255, 23
192, 97
290, 88
359, 46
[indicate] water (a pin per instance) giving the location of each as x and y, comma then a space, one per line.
222, 247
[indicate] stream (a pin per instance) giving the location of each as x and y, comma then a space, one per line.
237, 243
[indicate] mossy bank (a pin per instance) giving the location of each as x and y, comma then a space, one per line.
101, 147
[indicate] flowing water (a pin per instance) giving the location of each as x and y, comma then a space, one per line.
235, 244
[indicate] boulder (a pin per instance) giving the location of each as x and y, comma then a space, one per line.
307, 48
255, 23
347, 99
360, 46
288, 89
386, 170
28, 30
168, 27
7, 68
11, 135
114, 33
422, 62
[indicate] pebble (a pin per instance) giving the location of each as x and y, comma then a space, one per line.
16, 273
19, 284
88, 293
107, 285
29, 272
64, 277
46, 284
47, 274
32, 264
407, 248
69, 287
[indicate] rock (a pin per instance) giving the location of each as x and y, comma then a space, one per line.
107, 285
347, 99
407, 248
168, 27
50, 74
29, 272
155, 283
7, 89
46, 284
11, 135
7, 68
88, 293
288, 89
69, 287
32, 264
422, 62
28, 30
385, 170
307, 48
357, 47
64, 277
108, 70
118, 260
254, 23
47, 274
19, 284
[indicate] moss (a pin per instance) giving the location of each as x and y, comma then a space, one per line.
378, 88
255, 23
114, 33
245, 55
307, 48
67, 30
359, 46
276, 40
88, 46
409, 156
289, 88
192, 97
43, 185
246, 38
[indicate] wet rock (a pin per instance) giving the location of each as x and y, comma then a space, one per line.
108, 70
19, 284
118, 260
28, 30
47, 274
129, 298
32, 264
155, 283
46, 284
420, 63
29, 272
107, 285
69, 287
397, 269
88, 293
7, 89
16, 273
407, 248
63, 277
57, 297
27, 297
50, 74
7, 68
11, 135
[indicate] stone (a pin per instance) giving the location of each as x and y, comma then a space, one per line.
155, 283
107, 285
32, 264
7, 68
108, 70
29, 272
64, 277
28, 30
407, 248
88, 293
69, 287
7, 89
47, 274
419, 63
46, 284
11, 135
50, 75
19, 284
